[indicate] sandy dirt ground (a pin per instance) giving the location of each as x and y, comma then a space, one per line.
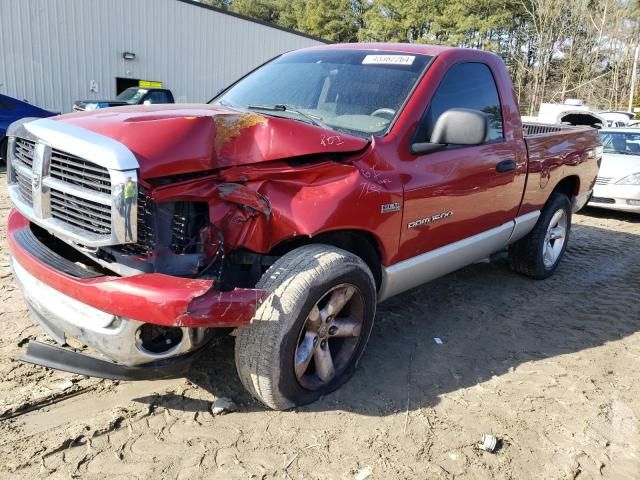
551, 368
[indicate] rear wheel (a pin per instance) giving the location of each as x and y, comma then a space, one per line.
310, 332
538, 254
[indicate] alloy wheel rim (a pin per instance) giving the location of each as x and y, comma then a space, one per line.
329, 336
554, 238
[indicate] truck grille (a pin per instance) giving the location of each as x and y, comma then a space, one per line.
71, 208
75, 192
58, 186
24, 186
79, 172
144, 243
603, 180
90, 216
24, 151
24, 157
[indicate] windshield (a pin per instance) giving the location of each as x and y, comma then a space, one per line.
132, 95
357, 92
621, 142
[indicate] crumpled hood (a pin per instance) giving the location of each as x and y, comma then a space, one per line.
179, 139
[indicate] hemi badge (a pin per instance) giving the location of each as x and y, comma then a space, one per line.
390, 207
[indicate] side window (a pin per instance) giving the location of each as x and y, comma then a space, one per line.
465, 85
158, 97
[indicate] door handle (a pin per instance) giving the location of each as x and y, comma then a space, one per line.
505, 166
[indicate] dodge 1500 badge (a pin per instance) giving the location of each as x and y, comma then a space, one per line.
325, 181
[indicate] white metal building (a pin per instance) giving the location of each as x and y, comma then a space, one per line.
53, 52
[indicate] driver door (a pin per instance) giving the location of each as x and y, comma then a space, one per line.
462, 191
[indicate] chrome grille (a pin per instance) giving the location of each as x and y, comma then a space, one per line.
79, 172
24, 186
603, 180
54, 183
74, 208
145, 242
85, 214
24, 151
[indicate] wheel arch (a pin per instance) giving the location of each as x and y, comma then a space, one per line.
570, 186
359, 242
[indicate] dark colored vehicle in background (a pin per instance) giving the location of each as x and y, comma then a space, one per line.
323, 182
130, 96
12, 109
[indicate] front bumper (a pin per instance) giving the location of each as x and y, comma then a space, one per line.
75, 362
115, 337
106, 313
624, 198
149, 297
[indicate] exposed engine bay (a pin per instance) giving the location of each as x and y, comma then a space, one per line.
178, 238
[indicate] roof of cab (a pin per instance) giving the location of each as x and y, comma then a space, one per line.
415, 48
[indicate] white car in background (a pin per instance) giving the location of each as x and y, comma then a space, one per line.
618, 119
618, 184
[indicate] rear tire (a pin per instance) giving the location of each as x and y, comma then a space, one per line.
309, 333
538, 254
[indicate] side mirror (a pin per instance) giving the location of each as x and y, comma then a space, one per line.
147, 102
456, 126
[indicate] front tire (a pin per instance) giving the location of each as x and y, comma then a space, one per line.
309, 333
538, 254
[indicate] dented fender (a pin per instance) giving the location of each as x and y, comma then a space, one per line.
259, 207
229, 309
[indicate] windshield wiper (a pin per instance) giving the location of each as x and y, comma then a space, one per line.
224, 103
280, 107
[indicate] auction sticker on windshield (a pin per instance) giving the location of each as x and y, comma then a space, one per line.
388, 60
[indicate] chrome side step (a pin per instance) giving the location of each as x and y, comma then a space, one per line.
428, 266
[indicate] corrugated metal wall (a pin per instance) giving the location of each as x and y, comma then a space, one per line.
51, 50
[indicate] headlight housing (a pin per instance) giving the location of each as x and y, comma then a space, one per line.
633, 179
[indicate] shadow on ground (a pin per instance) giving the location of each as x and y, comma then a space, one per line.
490, 320
611, 214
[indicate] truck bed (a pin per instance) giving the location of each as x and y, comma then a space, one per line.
534, 128
559, 152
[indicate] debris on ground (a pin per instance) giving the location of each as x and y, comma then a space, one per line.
489, 443
363, 473
65, 385
222, 405
438, 340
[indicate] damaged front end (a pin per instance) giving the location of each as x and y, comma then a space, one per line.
145, 257
148, 303
188, 229
144, 319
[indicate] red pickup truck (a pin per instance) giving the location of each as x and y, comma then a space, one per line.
324, 181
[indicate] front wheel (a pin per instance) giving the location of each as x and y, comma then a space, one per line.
538, 254
308, 335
